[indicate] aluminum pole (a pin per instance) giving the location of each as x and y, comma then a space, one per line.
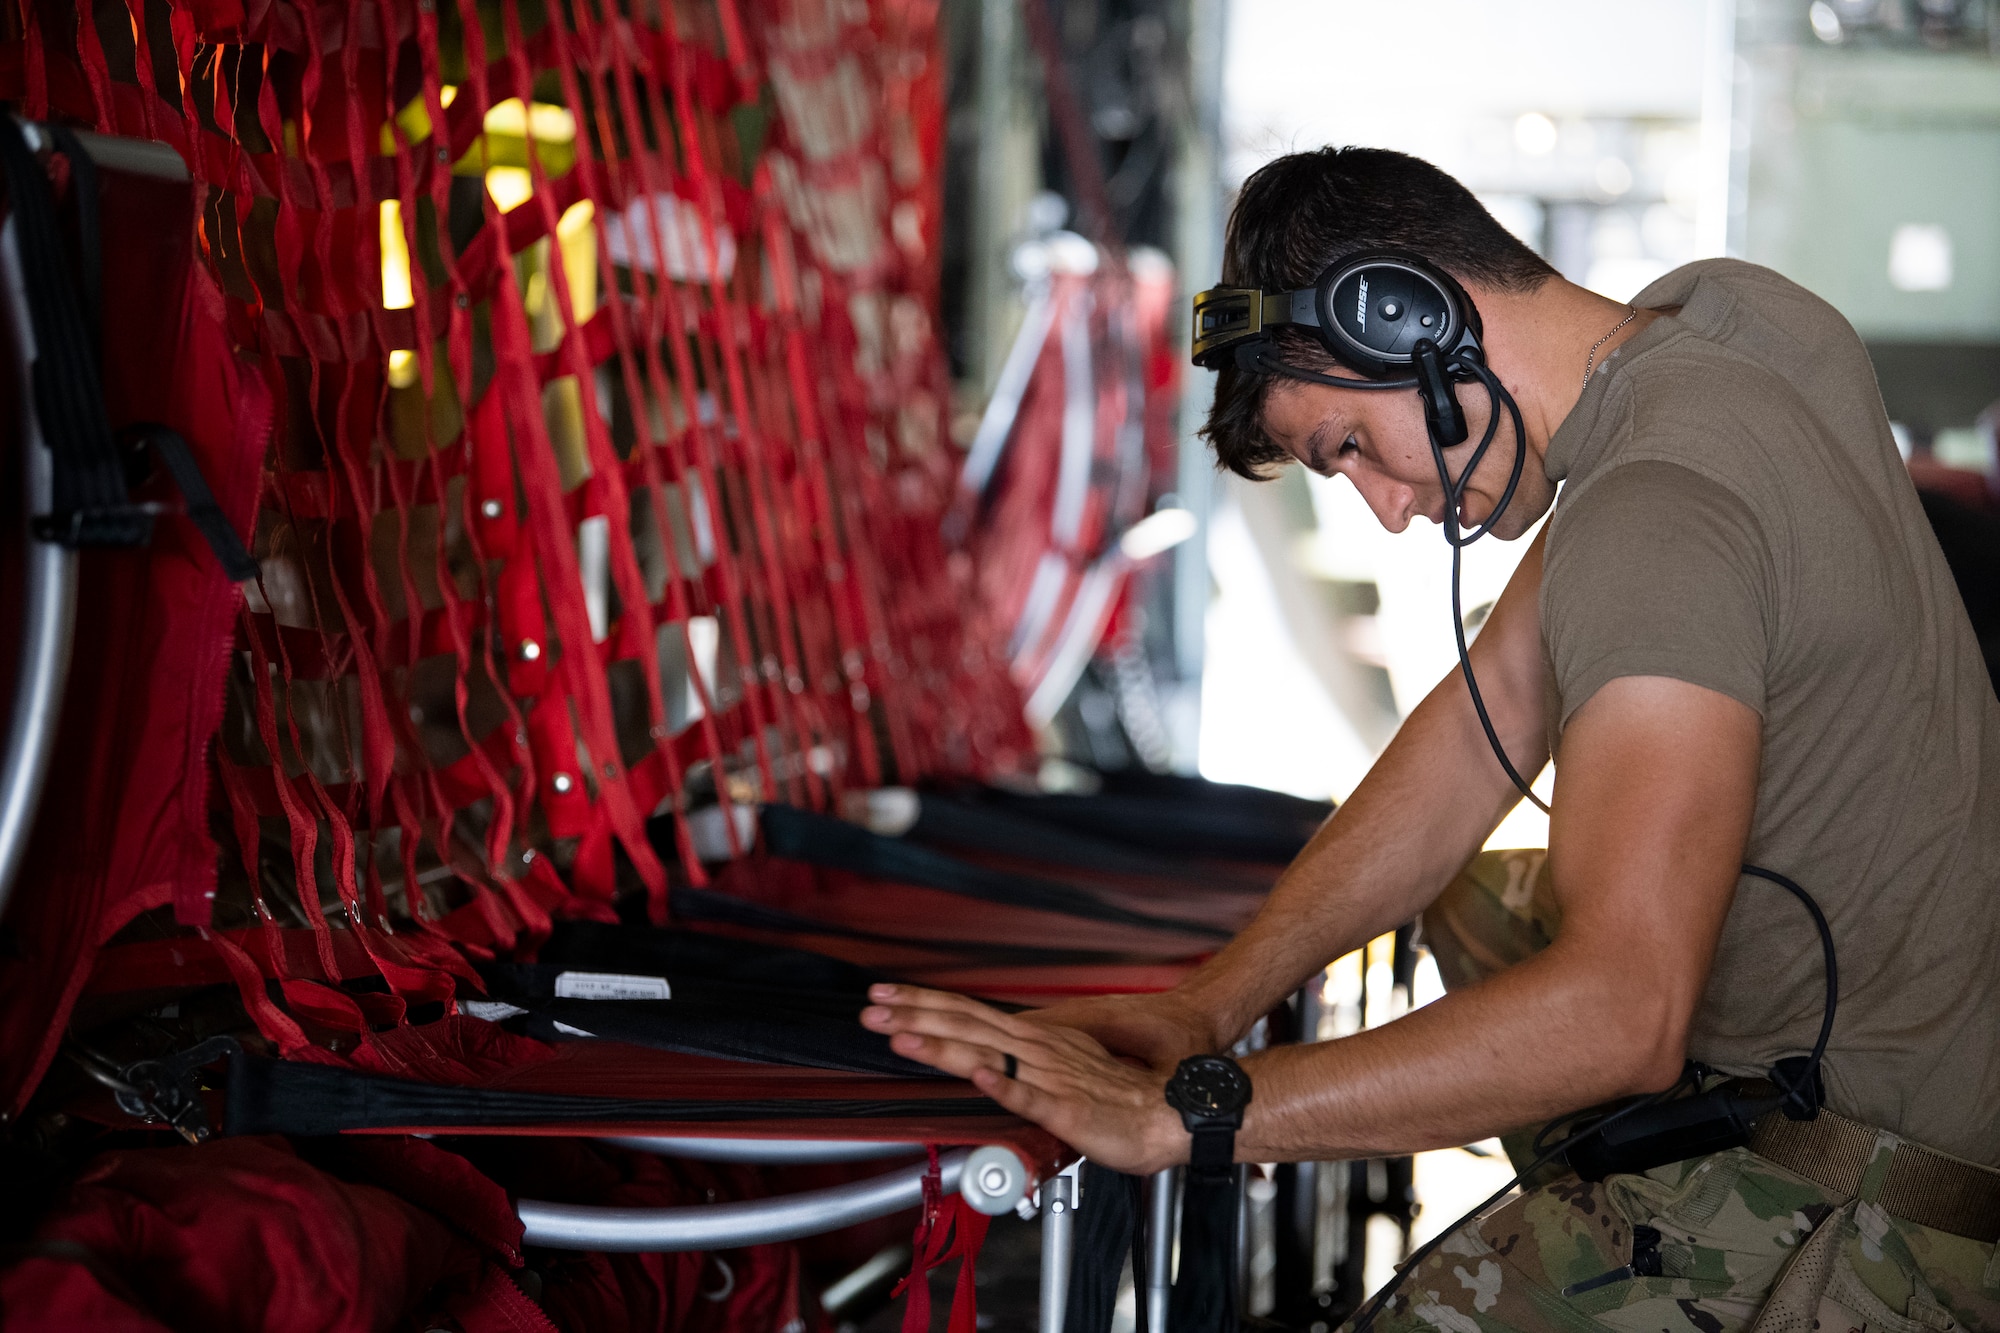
1161, 1216
765, 1152
728, 1226
1058, 1240
48, 602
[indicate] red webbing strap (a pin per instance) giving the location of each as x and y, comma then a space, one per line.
947, 1229
675, 316
789, 689
615, 317
608, 481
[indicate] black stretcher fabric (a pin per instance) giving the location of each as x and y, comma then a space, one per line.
825, 841
282, 1097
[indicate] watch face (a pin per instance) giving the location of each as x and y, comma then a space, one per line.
1209, 1085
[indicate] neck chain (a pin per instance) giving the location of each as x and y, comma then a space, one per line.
1631, 314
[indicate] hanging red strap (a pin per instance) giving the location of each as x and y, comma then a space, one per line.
946, 1229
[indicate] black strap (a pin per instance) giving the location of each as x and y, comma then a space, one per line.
801, 835
279, 1097
709, 905
91, 505
1214, 1148
1204, 1295
1107, 1224
202, 510
89, 253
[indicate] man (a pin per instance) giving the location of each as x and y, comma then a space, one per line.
1739, 641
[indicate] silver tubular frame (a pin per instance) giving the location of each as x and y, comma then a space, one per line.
48, 601
1162, 1216
134, 157
726, 1226
765, 1152
1058, 1246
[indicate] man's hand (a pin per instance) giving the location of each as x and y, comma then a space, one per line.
1158, 1030
1064, 1081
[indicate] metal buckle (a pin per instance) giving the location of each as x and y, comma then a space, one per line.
163, 1088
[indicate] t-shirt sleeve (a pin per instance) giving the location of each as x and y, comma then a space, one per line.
1656, 570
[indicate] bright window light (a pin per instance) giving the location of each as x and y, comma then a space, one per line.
1159, 531
402, 368
1535, 134
541, 120
510, 187
1920, 258
396, 294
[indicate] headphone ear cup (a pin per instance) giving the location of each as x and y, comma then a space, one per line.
1375, 307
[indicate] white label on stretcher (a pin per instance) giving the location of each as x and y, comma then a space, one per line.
493, 1011
611, 986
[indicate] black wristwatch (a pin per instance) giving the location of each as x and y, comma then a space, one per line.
1210, 1092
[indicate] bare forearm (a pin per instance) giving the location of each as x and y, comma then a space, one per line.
1661, 781
1421, 813
1416, 819
1538, 1040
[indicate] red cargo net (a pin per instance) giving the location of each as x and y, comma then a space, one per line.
608, 465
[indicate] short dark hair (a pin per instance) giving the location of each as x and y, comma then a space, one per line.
1302, 212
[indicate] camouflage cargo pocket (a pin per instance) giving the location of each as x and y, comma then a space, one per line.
1727, 1225
1893, 1276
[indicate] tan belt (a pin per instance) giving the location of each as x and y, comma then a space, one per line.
1917, 1185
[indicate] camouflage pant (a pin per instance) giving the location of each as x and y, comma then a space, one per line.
1741, 1242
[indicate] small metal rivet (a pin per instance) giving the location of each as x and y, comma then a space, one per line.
462, 301
444, 154
610, 769
562, 782
491, 508
520, 738
530, 650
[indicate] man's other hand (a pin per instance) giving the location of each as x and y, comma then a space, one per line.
1158, 1030
1065, 1081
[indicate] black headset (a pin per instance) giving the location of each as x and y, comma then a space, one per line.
1393, 317
1388, 314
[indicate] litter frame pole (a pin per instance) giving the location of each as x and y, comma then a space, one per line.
1058, 1243
1161, 1219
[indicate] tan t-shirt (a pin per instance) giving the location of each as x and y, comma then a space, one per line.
1735, 515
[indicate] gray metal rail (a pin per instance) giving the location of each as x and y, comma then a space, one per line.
1162, 1212
48, 601
1058, 1247
991, 1178
766, 1152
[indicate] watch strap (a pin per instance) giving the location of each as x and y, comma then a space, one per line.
1214, 1147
